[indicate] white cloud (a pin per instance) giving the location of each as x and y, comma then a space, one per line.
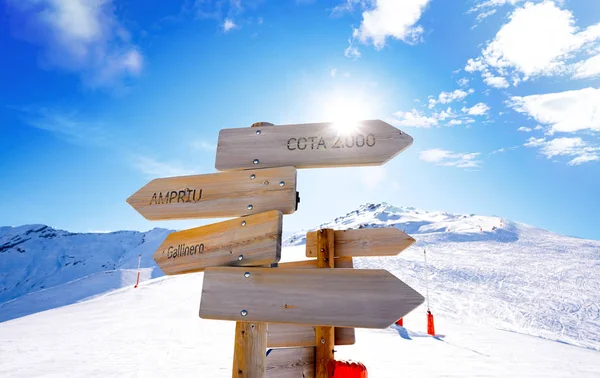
525, 129
153, 168
347, 6
228, 24
455, 122
81, 36
448, 97
539, 40
457, 95
567, 111
451, 159
475, 65
584, 159
539, 127
351, 51
444, 114
391, 18
414, 119
482, 16
588, 68
580, 151
463, 82
492, 4
477, 110
333, 72
495, 81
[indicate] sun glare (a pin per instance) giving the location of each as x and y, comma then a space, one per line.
346, 113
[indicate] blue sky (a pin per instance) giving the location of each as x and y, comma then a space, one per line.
502, 98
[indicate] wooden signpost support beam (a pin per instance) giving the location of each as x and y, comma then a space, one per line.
324, 335
249, 358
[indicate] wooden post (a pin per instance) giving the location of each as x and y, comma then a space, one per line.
249, 357
325, 335
249, 353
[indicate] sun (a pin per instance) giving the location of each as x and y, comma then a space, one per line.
346, 112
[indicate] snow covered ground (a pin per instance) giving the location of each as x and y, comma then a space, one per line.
512, 300
155, 331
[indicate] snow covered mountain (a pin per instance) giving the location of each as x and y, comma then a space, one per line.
43, 268
484, 271
491, 271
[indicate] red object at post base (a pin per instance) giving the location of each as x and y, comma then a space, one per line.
430, 326
400, 322
346, 369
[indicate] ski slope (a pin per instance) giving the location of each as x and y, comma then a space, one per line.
515, 284
491, 271
155, 331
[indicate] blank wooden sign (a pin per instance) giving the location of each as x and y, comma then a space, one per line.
218, 195
247, 241
280, 335
290, 363
364, 298
388, 241
313, 145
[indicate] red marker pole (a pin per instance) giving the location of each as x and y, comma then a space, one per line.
430, 326
137, 282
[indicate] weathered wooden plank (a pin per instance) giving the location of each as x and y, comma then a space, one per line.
218, 195
364, 298
291, 335
291, 363
340, 262
248, 241
249, 360
281, 335
324, 336
388, 241
313, 145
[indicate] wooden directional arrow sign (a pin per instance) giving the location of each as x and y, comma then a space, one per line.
388, 241
367, 298
218, 195
252, 240
314, 145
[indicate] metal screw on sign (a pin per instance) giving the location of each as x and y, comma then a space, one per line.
240, 257
243, 223
281, 183
244, 313
256, 161
257, 132
247, 274
252, 176
322, 341
250, 207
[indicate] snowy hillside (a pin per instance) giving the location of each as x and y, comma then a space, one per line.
484, 271
43, 268
155, 331
491, 271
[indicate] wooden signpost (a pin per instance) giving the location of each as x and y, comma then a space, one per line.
388, 241
249, 241
218, 195
289, 316
312, 145
365, 298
